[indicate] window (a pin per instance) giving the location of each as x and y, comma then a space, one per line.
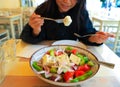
117, 3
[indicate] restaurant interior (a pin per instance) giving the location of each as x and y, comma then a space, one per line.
104, 17
17, 67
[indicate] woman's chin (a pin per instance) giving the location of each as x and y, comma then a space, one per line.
64, 9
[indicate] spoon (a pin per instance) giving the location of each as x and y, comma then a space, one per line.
109, 65
56, 20
66, 21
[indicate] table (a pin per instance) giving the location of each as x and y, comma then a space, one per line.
20, 74
10, 20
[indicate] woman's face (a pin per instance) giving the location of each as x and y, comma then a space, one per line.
65, 5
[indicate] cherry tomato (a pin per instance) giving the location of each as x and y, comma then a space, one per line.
74, 51
84, 67
68, 75
81, 68
79, 73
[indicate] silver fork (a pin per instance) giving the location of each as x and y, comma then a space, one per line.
83, 35
56, 20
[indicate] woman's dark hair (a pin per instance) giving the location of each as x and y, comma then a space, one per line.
82, 7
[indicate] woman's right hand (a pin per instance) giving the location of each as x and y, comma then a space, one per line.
36, 22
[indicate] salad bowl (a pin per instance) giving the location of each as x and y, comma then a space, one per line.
64, 65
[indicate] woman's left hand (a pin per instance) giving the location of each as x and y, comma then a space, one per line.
100, 37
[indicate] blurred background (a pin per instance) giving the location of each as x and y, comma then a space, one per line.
103, 13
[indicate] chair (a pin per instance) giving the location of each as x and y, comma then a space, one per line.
93, 13
117, 40
114, 43
11, 12
4, 35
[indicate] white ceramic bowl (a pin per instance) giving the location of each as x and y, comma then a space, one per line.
39, 54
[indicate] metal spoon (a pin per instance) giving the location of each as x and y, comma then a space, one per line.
56, 20
109, 65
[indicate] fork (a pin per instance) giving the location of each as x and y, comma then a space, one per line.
83, 35
56, 20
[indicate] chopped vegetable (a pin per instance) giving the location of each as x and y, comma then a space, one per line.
53, 70
52, 52
85, 59
79, 55
90, 63
82, 62
82, 77
79, 73
68, 76
74, 51
68, 48
36, 67
84, 67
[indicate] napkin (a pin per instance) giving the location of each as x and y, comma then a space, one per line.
28, 50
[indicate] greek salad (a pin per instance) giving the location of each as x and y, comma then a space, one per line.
64, 65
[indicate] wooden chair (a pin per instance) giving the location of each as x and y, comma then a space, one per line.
116, 47
114, 43
4, 35
11, 11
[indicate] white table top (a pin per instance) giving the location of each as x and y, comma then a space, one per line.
10, 16
106, 54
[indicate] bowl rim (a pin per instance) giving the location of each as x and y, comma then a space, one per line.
63, 83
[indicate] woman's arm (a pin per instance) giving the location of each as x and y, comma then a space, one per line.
28, 36
33, 31
87, 28
99, 37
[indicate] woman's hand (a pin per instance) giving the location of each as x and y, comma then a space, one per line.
100, 37
36, 22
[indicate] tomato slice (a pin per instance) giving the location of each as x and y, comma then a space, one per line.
81, 68
58, 53
68, 75
79, 73
84, 67
74, 51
